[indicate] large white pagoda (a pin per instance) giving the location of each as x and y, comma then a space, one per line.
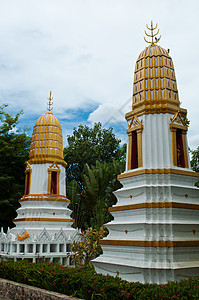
43, 224
154, 236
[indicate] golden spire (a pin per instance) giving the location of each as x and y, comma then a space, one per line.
50, 103
152, 35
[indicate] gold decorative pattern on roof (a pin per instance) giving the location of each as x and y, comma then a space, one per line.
47, 141
155, 88
152, 35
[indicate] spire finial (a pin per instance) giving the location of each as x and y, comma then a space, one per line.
152, 35
50, 103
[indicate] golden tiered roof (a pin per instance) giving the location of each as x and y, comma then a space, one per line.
47, 141
155, 88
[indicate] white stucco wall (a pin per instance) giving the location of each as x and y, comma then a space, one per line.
39, 179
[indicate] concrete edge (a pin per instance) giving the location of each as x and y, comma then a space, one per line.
20, 291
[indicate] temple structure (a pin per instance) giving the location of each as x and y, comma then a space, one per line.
43, 224
154, 236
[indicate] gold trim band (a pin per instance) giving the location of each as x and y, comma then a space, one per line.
150, 243
47, 195
145, 107
44, 197
43, 219
158, 171
49, 159
154, 205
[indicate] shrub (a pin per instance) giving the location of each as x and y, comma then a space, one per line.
86, 284
88, 247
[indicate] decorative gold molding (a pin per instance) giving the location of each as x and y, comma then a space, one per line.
173, 146
150, 243
129, 150
28, 171
135, 125
158, 171
50, 159
174, 126
185, 149
154, 205
43, 219
135, 128
44, 197
139, 143
49, 181
28, 166
58, 183
24, 236
53, 168
178, 118
181, 125
145, 107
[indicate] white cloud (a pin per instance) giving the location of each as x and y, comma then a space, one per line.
106, 113
87, 50
193, 141
13, 130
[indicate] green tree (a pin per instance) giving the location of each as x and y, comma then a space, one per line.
73, 193
14, 151
195, 159
87, 145
90, 205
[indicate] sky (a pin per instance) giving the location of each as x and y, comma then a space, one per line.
84, 51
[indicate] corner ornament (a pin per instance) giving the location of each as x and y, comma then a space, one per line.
24, 236
179, 119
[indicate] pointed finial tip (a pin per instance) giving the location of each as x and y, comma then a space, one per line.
50, 103
152, 34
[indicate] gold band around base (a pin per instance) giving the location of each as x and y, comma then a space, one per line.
150, 243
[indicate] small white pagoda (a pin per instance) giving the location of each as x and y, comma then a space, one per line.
43, 224
154, 236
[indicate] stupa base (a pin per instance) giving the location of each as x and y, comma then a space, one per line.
176, 272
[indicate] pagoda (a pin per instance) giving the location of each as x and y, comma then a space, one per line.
154, 236
43, 224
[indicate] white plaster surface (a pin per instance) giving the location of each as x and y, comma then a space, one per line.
153, 264
50, 230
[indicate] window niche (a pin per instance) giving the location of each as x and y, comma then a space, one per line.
180, 150
134, 132
134, 150
53, 186
178, 141
53, 179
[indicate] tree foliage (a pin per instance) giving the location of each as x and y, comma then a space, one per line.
195, 162
94, 158
90, 205
195, 159
88, 247
14, 151
87, 145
